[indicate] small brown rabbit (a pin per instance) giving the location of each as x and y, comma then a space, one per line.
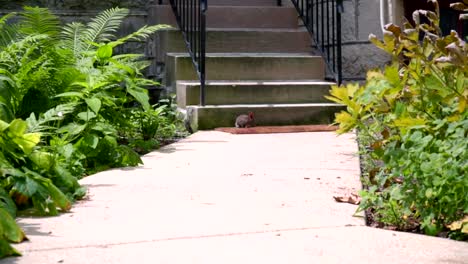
245, 120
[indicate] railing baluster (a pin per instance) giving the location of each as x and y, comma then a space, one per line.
333, 36
191, 19
323, 20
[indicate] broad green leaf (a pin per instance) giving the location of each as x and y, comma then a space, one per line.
91, 140
94, 104
57, 196
72, 129
141, 95
86, 116
70, 94
6, 249
104, 52
28, 141
429, 193
409, 122
129, 157
43, 160
11, 231
7, 203
3, 125
17, 128
400, 108
60, 199
26, 186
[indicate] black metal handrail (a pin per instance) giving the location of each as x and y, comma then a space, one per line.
191, 19
323, 20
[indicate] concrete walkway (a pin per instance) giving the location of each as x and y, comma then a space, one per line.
221, 198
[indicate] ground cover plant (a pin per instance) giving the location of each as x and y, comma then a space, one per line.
412, 123
69, 107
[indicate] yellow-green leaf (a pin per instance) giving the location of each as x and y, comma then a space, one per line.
94, 104
43, 160
28, 141
409, 122
339, 95
462, 104
346, 122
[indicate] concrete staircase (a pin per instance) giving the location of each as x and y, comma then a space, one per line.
258, 59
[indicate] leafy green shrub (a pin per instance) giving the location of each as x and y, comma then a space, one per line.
63, 99
413, 118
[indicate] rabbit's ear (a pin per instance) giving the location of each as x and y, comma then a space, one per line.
251, 115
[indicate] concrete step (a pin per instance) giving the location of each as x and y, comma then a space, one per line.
253, 92
233, 16
209, 117
245, 66
237, 2
242, 40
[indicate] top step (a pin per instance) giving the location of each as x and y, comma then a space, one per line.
237, 2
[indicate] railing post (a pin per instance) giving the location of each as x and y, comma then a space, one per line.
339, 11
204, 7
279, 3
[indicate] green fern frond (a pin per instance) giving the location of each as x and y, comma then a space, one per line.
139, 35
36, 20
8, 32
42, 124
4, 18
72, 35
103, 27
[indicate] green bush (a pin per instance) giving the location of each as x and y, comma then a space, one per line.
63, 99
412, 118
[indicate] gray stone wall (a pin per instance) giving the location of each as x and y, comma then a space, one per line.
74, 4
84, 10
361, 18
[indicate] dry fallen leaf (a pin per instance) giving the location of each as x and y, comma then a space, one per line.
352, 199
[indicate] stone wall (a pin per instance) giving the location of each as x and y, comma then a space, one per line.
84, 10
74, 4
361, 18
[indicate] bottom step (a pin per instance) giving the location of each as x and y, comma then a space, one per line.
210, 117
278, 129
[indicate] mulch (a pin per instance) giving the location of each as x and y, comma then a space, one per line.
277, 129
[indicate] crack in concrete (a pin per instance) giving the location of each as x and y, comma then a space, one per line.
197, 237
